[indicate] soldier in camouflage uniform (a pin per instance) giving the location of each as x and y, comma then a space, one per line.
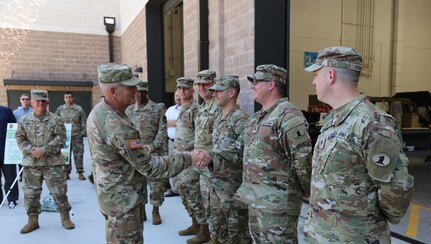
119, 159
149, 119
188, 180
277, 160
73, 113
360, 179
230, 216
40, 137
207, 113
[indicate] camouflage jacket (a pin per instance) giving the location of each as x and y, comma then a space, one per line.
46, 132
204, 128
204, 124
277, 159
74, 115
360, 178
120, 163
185, 129
226, 166
150, 121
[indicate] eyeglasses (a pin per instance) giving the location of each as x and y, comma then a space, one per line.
255, 82
26, 99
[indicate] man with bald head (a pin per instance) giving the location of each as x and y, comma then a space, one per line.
119, 158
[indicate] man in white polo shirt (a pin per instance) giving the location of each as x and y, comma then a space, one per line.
171, 117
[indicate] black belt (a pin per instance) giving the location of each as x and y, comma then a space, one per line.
171, 139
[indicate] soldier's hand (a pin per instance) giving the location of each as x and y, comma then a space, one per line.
200, 158
37, 153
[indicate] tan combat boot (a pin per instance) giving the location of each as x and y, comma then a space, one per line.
81, 176
202, 237
156, 216
191, 230
90, 178
65, 220
145, 215
33, 223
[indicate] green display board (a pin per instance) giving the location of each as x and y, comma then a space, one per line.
12, 153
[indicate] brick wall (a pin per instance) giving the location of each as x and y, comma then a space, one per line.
231, 43
44, 55
134, 44
191, 37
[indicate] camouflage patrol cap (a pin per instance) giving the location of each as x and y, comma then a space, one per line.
40, 95
185, 82
205, 76
337, 57
116, 73
225, 82
269, 72
142, 86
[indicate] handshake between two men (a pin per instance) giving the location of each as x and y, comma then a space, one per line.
201, 158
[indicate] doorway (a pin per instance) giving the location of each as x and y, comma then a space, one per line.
173, 32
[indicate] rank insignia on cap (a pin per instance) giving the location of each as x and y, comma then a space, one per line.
381, 159
134, 144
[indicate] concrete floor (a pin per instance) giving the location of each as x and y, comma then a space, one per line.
417, 222
90, 224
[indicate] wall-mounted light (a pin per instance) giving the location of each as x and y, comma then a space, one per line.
109, 23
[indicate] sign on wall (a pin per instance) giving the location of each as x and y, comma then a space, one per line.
309, 58
13, 154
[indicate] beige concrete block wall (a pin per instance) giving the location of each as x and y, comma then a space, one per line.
231, 43
417, 46
191, 38
44, 55
379, 84
393, 71
77, 16
312, 29
134, 44
231, 35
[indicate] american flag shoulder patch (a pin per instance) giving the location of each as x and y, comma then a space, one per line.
134, 144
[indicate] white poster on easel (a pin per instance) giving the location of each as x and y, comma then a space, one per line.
12, 153
65, 151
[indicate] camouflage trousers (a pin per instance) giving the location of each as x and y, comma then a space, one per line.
229, 218
55, 179
126, 229
190, 193
158, 188
205, 193
77, 147
270, 227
